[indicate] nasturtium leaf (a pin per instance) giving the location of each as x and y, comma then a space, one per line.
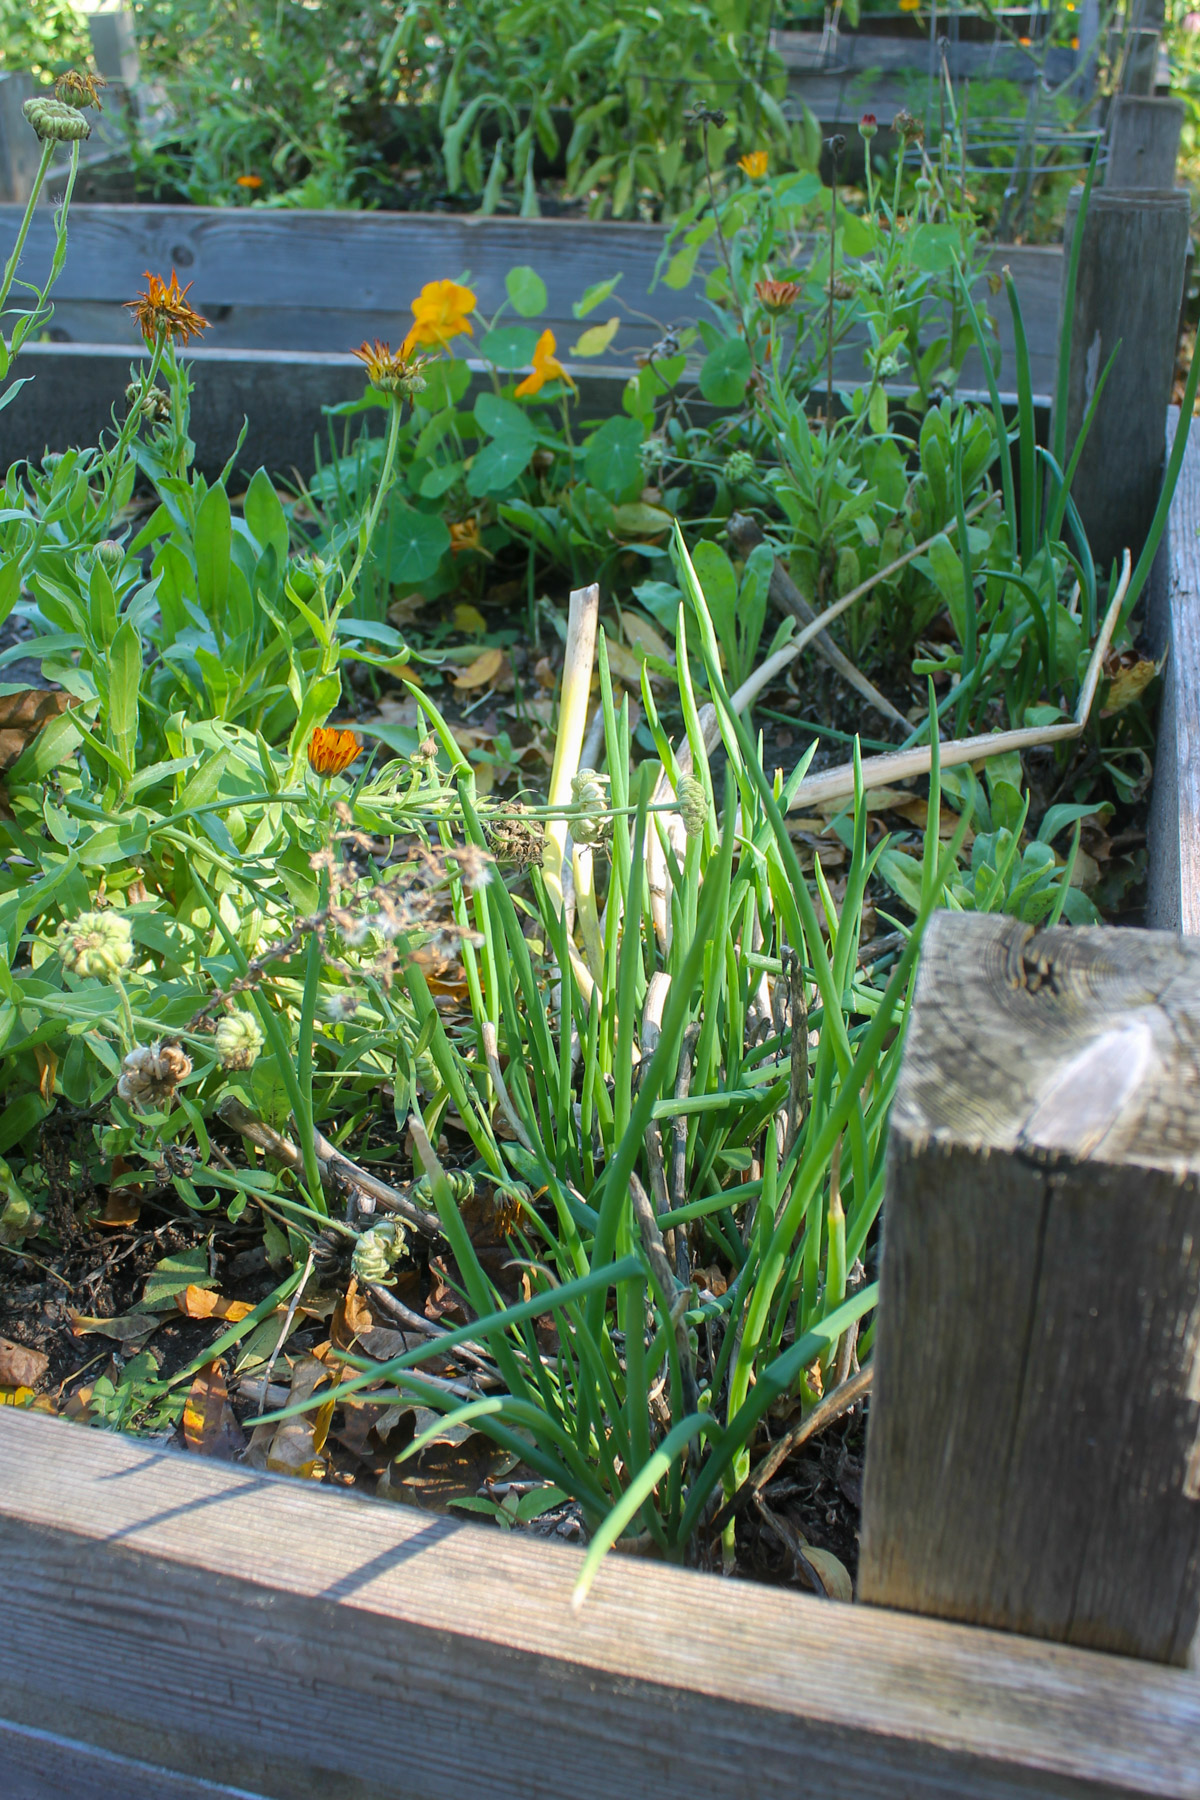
932, 247
417, 542
446, 382
527, 291
498, 417
612, 461
594, 296
596, 339
510, 346
725, 372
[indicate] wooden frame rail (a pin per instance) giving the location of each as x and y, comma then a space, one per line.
1173, 623
177, 1626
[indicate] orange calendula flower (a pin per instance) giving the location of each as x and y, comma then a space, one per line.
777, 296
910, 5
753, 164
464, 535
442, 311
331, 751
391, 371
163, 309
546, 367
249, 181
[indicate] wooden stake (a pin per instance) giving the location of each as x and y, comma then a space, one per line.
1034, 1450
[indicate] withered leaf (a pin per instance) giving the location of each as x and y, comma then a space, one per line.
22, 716
19, 1366
209, 1424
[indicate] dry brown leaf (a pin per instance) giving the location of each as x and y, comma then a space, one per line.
469, 619
641, 635
209, 1424
832, 1574
22, 716
454, 1466
483, 671
130, 1328
1129, 677
406, 611
201, 1303
351, 1317
19, 1366
293, 1449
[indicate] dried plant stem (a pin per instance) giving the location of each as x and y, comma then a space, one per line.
284, 1330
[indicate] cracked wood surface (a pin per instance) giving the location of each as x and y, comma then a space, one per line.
238, 1631
1033, 1460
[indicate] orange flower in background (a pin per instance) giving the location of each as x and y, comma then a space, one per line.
778, 296
442, 311
910, 5
164, 309
249, 181
753, 164
464, 534
546, 367
330, 751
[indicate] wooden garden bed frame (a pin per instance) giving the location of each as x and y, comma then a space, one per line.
177, 1627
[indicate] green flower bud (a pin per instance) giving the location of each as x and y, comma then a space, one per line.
378, 1250
96, 943
110, 554
238, 1041
693, 804
461, 1185
739, 467
55, 121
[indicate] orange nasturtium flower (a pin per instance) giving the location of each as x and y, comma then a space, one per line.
753, 164
249, 181
910, 5
465, 535
331, 751
442, 311
163, 309
546, 367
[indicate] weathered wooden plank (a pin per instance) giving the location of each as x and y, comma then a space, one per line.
1129, 291
1173, 881
20, 151
324, 281
1033, 1457
1143, 141
196, 1616
861, 52
37, 1764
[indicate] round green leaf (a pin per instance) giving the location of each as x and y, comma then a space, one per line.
417, 542
527, 291
725, 373
510, 346
612, 462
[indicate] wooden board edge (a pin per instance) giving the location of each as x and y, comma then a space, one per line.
1173, 629
226, 1608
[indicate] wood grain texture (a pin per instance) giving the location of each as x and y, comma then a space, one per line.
325, 280
1034, 1450
20, 150
37, 1764
1143, 141
285, 1641
1129, 291
1173, 879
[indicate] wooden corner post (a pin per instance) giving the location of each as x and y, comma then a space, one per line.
1033, 1459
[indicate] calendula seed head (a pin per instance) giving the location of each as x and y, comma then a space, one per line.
56, 122
238, 1040
461, 1185
153, 406
693, 804
739, 466
79, 88
589, 804
95, 943
151, 1073
514, 838
378, 1250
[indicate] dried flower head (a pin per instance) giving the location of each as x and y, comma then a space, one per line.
238, 1041
699, 114
96, 943
79, 88
907, 129
777, 296
151, 1073
331, 751
163, 310
546, 367
56, 122
513, 837
392, 371
442, 311
754, 164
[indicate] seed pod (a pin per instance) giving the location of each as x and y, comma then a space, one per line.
238, 1041
55, 121
96, 943
693, 804
378, 1250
